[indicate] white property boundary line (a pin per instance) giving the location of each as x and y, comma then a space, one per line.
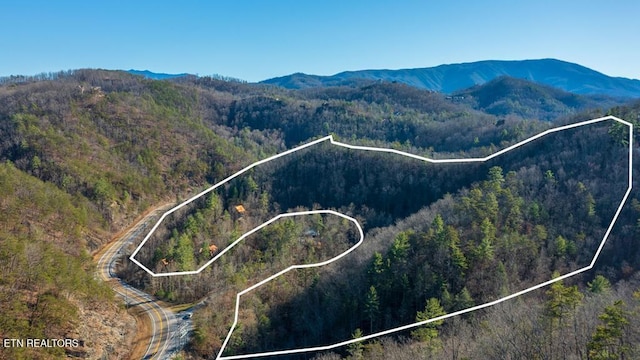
366, 148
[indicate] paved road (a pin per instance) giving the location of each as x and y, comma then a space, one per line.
164, 323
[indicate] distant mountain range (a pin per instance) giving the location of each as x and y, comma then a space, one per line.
156, 76
448, 79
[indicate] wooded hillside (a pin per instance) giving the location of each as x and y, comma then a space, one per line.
84, 152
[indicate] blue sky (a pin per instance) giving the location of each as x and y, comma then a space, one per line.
256, 40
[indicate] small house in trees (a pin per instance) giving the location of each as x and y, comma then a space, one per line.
240, 209
212, 249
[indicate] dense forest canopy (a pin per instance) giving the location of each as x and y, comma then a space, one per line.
500, 235
84, 152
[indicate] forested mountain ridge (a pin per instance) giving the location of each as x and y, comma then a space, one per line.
507, 95
455, 77
86, 151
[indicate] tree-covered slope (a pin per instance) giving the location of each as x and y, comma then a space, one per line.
84, 152
506, 95
46, 277
82, 155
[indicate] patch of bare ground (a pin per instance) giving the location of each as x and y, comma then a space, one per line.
105, 331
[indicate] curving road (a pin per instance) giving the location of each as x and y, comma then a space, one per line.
164, 323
